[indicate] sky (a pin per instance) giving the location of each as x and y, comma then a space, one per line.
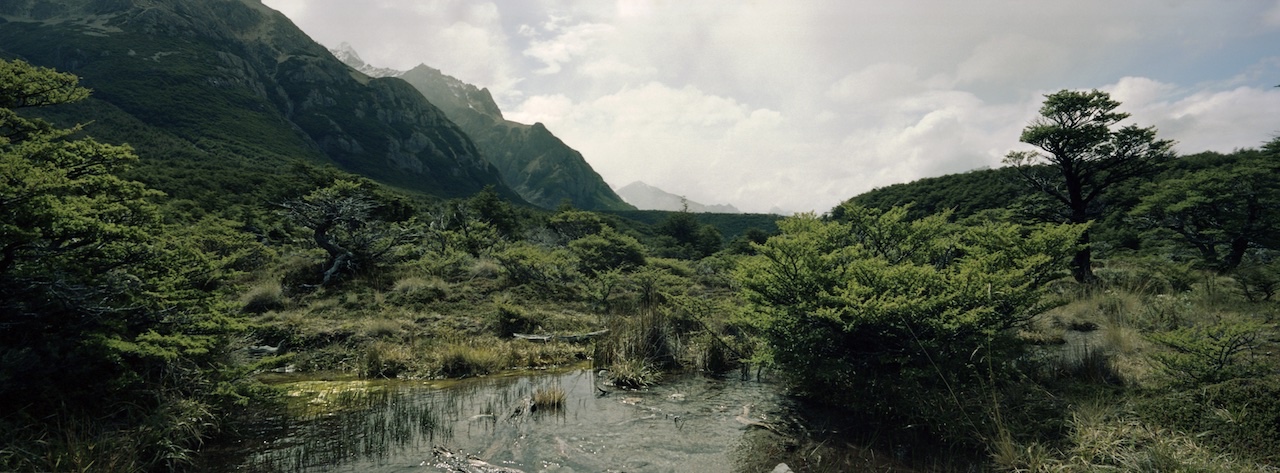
798, 105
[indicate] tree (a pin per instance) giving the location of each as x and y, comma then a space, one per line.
1222, 212
1081, 157
681, 236
489, 208
105, 316
341, 220
607, 250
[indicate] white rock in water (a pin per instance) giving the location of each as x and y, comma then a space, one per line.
782, 468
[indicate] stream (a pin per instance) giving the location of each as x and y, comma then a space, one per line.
689, 422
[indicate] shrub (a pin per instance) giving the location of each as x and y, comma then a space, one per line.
1259, 282
484, 268
1241, 415
548, 399
385, 360
638, 347
607, 250
523, 263
1210, 354
868, 311
509, 319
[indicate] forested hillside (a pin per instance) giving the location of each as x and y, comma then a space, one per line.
230, 84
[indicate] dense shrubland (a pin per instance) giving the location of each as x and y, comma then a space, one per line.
135, 321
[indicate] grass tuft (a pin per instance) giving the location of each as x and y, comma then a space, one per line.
548, 399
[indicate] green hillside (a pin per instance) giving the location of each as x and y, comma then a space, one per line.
239, 82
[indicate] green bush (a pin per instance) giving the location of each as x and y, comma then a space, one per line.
460, 360
868, 311
607, 250
1212, 353
385, 360
509, 319
1241, 416
528, 264
263, 297
1259, 282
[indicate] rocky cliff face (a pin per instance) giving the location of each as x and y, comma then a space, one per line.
534, 162
235, 73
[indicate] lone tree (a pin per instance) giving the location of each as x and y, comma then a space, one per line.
1081, 157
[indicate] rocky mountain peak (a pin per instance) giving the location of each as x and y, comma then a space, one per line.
541, 168
348, 55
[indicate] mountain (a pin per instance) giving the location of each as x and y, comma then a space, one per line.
232, 83
534, 162
348, 55
647, 197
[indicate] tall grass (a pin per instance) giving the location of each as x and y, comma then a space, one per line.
638, 348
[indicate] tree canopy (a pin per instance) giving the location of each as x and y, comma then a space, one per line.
1081, 157
106, 313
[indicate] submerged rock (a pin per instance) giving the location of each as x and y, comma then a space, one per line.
446, 460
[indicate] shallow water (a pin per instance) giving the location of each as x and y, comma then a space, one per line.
687, 423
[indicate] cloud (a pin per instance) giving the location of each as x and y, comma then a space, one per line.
1006, 58
1205, 120
1272, 17
805, 104
566, 44
465, 39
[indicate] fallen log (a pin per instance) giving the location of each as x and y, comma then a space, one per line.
560, 338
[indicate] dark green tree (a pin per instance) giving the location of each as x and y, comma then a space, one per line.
682, 236
106, 318
607, 250
486, 206
341, 221
1081, 157
1222, 212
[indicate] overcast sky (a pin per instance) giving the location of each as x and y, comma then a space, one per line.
797, 105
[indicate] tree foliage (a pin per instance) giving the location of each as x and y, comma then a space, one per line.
1081, 157
103, 308
342, 222
1221, 212
865, 310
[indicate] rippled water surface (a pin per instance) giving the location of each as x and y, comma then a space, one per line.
688, 423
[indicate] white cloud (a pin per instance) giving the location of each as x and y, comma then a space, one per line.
566, 44
804, 104
1207, 120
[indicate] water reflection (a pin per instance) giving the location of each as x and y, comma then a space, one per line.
689, 423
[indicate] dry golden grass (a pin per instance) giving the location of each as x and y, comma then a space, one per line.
548, 399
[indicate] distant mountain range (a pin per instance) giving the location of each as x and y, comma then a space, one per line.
539, 166
218, 94
647, 197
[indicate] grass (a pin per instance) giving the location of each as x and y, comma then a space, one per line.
1127, 411
263, 297
1090, 361
548, 399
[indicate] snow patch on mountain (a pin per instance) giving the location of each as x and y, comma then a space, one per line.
347, 54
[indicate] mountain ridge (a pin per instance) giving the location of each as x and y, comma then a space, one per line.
648, 197
237, 75
534, 162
